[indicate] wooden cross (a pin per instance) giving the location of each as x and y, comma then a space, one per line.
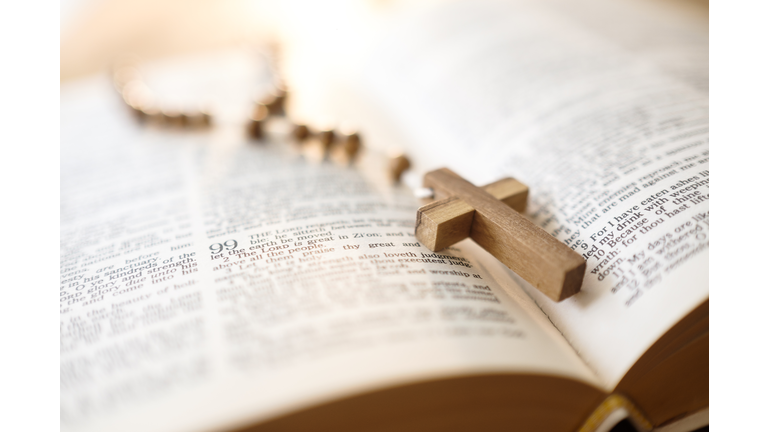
489, 215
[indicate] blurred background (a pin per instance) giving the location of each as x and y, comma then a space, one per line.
316, 45
313, 43
94, 32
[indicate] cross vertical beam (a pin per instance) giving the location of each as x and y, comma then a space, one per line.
535, 255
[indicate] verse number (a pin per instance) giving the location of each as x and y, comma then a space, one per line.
218, 247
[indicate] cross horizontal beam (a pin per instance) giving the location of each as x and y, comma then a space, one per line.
485, 215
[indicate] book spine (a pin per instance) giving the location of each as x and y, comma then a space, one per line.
612, 410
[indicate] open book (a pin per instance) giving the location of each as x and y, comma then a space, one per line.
210, 283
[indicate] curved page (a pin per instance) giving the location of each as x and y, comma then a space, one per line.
209, 282
601, 107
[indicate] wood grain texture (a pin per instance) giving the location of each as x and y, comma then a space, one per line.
528, 250
509, 191
449, 220
443, 223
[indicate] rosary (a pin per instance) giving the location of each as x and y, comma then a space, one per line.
490, 215
341, 145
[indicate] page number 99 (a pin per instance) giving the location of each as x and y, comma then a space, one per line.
218, 247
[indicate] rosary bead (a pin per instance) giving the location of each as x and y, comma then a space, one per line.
327, 137
260, 112
198, 119
257, 120
174, 118
301, 132
397, 165
351, 144
206, 118
275, 102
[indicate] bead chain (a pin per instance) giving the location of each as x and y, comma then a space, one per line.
140, 100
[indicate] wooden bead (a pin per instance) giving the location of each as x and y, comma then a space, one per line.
301, 132
137, 109
137, 96
397, 165
351, 144
260, 112
255, 129
275, 102
174, 118
257, 121
207, 119
136, 106
198, 119
327, 137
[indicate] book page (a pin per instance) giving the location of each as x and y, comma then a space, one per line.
602, 109
209, 281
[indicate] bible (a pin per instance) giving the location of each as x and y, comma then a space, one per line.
210, 282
